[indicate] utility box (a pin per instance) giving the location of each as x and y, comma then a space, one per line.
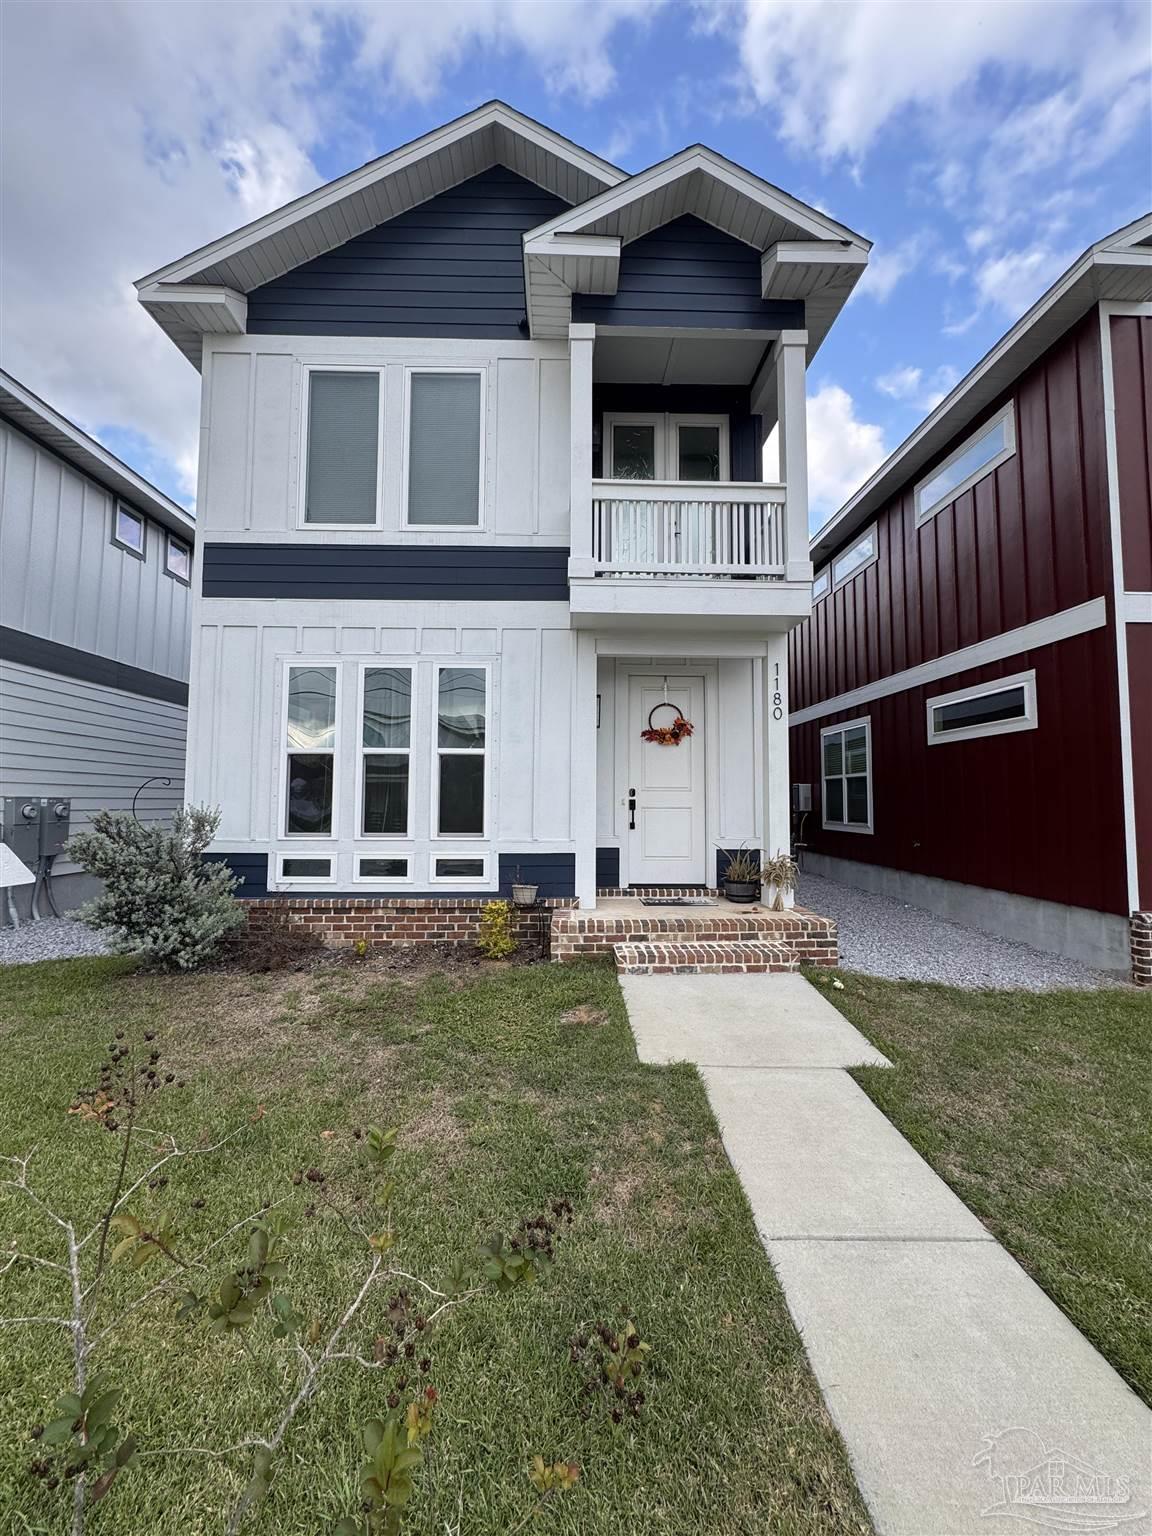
21, 829
55, 818
801, 798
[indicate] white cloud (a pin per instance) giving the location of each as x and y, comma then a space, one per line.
842, 450
900, 383
1014, 280
913, 385
886, 267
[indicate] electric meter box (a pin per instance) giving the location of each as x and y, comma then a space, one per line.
21, 826
55, 818
801, 797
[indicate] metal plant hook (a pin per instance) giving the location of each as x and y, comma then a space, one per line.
156, 779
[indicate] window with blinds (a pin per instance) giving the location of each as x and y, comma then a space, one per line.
444, 449
343, 448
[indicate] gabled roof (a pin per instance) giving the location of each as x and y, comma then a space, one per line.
40, 422
1119, 267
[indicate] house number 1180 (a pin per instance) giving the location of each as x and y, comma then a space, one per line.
777, 698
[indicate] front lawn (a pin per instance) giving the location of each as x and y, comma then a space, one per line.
1037, 1110
511, 1089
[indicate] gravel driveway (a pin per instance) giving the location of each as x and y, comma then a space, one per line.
56, 938
883, 937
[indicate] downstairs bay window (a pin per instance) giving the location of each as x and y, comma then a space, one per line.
310, 751
386, 742
460, 775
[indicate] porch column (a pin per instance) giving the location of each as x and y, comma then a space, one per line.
581, 340
789, 359
582, 783
777, 793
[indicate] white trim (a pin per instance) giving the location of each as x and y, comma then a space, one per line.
383, 663
1138, 607
857, 570
306, 372
461, 664
1058, 626
284, 751
480, 856
1025, 722
328, 855
1116, 540
383, 882
1005, 416
832, 730
479, 526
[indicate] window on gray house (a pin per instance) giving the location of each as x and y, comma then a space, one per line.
128, 529
343, 447
311, 749
178, 559
460, 750
386, 729
444, 436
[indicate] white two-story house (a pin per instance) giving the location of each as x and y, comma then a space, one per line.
481, 500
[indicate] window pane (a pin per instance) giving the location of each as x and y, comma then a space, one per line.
1008, 705
179, 560
820, 585
130, 529
978, 453
852, 559
343, 422
833, 754
312, 707
856, 750
383, 869
833, 799
462, 794
634, 452
699, 453
387, 706
444, 449
310, 793
461, 718
302, 869
460, 869
858, 801
385, 794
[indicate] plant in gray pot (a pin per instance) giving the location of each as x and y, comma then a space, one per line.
523, 894
742, 876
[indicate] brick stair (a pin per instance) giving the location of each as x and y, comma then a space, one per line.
702, 957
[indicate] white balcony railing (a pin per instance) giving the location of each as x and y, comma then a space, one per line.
687, 528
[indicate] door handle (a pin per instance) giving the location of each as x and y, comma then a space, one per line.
631, 810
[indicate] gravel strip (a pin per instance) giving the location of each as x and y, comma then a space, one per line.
883, 937
55, 938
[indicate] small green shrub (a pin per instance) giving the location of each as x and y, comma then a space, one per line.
496, 940
160, 898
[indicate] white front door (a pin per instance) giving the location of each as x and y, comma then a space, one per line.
665, 831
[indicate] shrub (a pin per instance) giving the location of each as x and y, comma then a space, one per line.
160, 898
496, 939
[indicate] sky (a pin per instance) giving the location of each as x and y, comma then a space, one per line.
980, 146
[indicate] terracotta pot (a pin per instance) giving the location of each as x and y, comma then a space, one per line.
742, 890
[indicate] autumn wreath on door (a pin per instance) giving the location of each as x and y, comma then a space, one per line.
669, 735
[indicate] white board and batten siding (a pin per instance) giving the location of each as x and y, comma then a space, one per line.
254, 430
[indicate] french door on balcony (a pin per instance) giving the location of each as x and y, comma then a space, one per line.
663, 446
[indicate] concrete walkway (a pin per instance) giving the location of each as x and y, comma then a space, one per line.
969, 1404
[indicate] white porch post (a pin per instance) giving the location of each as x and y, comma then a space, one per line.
581, 340
583, 771
777, 807
791, 404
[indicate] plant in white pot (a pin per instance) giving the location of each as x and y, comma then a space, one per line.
779, 875
523, 894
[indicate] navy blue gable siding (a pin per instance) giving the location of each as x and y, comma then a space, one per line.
388, 572
453, 266
689, 273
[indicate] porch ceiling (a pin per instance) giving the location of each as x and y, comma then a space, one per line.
690, 359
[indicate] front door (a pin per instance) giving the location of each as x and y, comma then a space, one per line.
667, 845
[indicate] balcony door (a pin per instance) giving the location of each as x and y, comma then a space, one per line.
665, 446
666, 833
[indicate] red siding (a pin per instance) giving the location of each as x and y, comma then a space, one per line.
1132, 382
1140, 693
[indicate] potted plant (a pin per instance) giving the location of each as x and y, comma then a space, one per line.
779, 875
523, 895
741, 879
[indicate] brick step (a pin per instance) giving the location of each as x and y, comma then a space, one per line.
702, 957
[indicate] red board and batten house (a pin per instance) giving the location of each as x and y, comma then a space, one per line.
972, 696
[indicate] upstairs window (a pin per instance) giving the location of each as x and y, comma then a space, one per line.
821, 585
128, 530
975, 458
445, 442
846, 765
990, 709
461, 732
856, 558
310, 751
386, 741
178, 559
343, 454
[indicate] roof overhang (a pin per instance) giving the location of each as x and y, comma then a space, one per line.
805, 254
1117, 268
217, 275
39, 421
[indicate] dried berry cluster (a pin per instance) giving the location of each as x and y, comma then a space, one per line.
121, 1083
535, 1235
404, 1350
611, 1360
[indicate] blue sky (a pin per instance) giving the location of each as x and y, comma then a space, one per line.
981, 146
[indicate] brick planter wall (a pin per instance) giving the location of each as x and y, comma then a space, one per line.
400, 921
812, 939
1140, 924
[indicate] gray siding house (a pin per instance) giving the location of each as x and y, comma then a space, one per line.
95, 569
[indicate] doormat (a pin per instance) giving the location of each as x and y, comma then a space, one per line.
677, 901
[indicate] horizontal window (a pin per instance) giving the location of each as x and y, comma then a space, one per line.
128, 530
372, 867
991, 709
821, 585
975, 458
178, 560
445, 413
300, 867
856, 558
343, 450
846, 767
459, 866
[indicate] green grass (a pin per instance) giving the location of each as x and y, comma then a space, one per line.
1037, 1110
510, 1088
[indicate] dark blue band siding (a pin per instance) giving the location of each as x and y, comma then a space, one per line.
688, 273
608, 869
686, 399
553, 873
66, 661
388, 572
453, 266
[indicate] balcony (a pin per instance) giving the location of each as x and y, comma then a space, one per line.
674, 529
